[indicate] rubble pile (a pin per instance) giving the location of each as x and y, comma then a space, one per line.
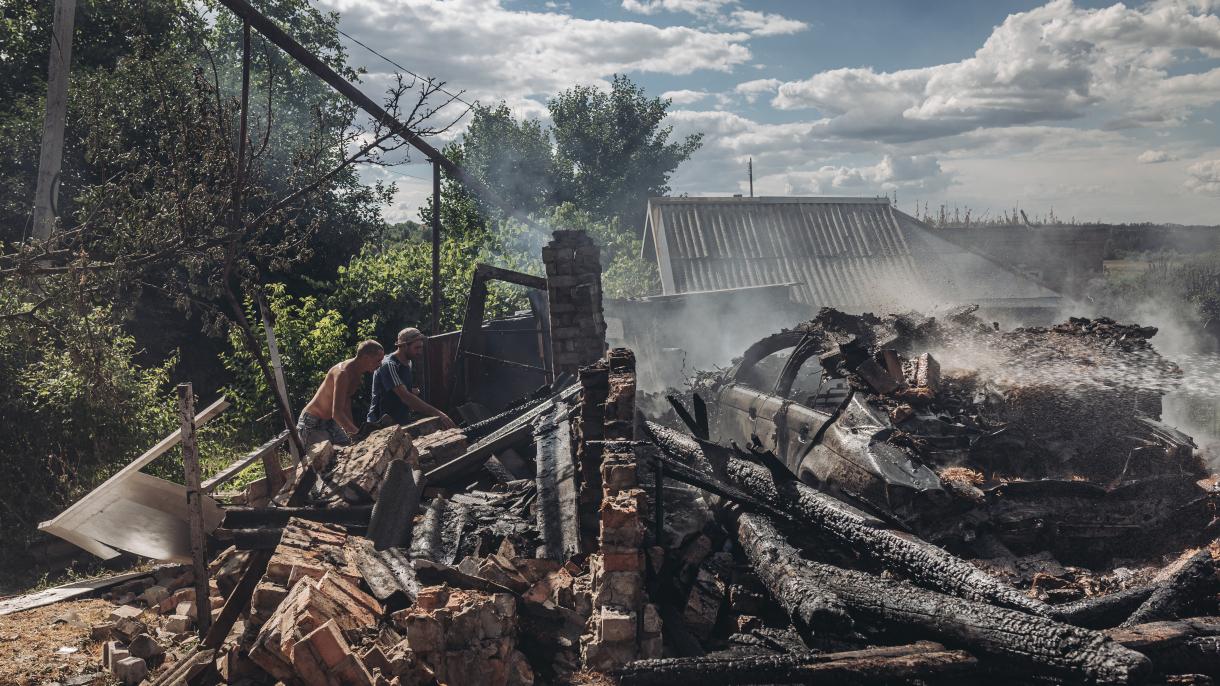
629, 551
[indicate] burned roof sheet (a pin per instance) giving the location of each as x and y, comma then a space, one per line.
856, 254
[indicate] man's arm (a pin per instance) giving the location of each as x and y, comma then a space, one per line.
417, 404
341, 404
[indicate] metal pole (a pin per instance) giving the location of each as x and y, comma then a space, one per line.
751, 168
47, 190
194, 507
273, 33
436, 248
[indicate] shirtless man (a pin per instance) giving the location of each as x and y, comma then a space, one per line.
329, 415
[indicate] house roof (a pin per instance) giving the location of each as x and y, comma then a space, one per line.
857, 254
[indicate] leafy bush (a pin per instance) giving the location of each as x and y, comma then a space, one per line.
74, 404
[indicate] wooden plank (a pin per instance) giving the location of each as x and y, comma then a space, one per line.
556, 480
46, 192
239, 599
55, 594
281, 387
516, 431
231, 472
190, 467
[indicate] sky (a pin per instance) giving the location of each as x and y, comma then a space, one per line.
1095, 111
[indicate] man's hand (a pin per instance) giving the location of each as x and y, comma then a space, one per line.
446, 422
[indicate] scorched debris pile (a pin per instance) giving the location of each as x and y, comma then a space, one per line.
876, 516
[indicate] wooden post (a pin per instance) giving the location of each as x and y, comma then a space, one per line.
194, 505
270, 459
436, 248
51, 157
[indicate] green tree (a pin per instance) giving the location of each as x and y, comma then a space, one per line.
614, 151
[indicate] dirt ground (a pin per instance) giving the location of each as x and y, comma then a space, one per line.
38, 648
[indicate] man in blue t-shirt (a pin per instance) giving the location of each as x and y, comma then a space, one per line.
394, 391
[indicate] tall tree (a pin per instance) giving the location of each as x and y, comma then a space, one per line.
613, 149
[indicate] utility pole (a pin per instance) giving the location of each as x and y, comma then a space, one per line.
47, 190
750, 168
436, 248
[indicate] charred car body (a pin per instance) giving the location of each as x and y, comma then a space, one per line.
853, 406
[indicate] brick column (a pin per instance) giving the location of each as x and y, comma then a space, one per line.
624, 626
574, 292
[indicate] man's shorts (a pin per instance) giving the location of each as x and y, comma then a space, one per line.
314, 430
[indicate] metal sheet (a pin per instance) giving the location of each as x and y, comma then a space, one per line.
143, 515
47, 596
143, 499
857, 254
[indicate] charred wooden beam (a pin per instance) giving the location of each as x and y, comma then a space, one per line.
388, 573
1193, 581
840, 523
812, 591
556, 478
252, 517
394, 512
440, 533
1103, 612
905, 664
515, 432
266, 538
1186, 646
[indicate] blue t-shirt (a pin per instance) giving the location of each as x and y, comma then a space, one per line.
390, 374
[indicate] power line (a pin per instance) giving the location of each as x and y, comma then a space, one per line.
455, 96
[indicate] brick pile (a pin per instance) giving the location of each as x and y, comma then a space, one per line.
359, 469
459, 636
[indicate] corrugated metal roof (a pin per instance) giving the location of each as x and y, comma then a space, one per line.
851, 253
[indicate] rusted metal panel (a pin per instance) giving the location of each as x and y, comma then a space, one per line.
851, 253
439, 354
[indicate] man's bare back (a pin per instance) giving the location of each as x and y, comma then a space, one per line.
328, 416
323, 401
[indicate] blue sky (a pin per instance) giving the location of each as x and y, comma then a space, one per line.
1096, 110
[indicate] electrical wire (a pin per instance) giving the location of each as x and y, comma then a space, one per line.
398, 66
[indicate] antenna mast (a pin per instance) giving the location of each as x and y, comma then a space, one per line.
750, 169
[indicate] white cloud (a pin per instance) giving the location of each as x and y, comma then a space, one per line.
922, 174
764, 23
696, 7
1204, 177
1154, 157
498, 53
685, 96
1053, 63
724, 12
752, 90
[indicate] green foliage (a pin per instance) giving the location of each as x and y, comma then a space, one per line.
613, 151
1188, 286
310, 337
594, 168
73, 400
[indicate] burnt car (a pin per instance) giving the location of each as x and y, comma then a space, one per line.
780, 398
856, 407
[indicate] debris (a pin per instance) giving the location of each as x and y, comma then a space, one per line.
130, 670
816, 594
1194, 580
464, 636
914, 663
